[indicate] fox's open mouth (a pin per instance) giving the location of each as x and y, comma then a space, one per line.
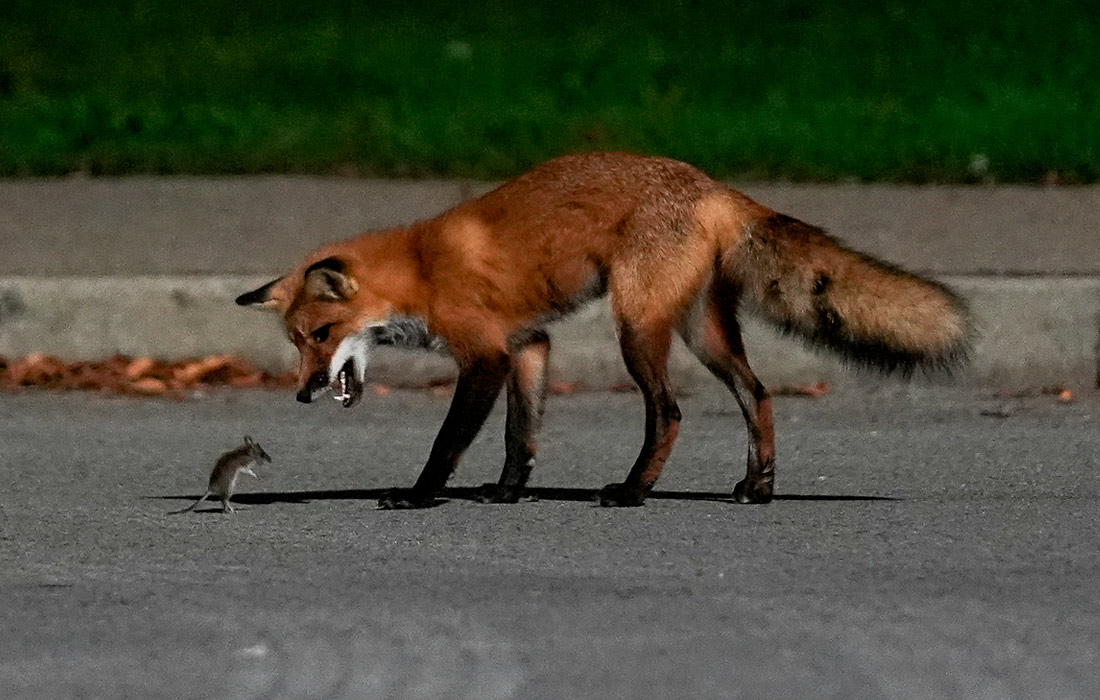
344, 375
347, 388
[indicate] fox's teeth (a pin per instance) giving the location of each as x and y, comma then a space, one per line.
342, 380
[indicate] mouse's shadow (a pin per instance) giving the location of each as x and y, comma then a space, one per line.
465, 493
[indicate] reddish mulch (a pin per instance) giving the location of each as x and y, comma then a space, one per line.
147, 376
136, 376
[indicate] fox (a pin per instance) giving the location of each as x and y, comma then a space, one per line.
676, 252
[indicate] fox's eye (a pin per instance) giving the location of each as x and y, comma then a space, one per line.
320, 334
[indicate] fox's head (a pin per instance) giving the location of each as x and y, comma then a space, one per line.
329, 316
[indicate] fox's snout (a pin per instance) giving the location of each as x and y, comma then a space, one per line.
315, 384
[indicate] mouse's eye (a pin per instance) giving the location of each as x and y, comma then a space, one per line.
320, 334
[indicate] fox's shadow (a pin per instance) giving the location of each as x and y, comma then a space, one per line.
541, 493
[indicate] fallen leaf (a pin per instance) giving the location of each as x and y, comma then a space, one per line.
809, 390
149, 387
247, 381
139, 367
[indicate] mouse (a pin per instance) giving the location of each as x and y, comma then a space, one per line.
223, 478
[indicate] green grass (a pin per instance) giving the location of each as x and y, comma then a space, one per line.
931, 91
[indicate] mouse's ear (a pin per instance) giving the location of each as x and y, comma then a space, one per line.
248, 440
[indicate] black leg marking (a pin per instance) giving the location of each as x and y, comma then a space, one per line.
526, 402
475, 393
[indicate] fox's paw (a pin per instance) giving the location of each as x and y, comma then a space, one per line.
496, 493
619, 496
757, 492
406, 499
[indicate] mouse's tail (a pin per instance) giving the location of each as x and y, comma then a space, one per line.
193, 506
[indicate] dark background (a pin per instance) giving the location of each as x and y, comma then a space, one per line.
930, 91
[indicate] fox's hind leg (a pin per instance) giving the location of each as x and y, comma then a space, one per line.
652, 283
714, 335
646, 354
526, 401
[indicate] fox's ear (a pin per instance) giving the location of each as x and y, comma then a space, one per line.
263, 296
327, 279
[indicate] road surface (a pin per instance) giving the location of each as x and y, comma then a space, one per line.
926, 543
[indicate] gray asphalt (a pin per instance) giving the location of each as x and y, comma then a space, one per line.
927, 543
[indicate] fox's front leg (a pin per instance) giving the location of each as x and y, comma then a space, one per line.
479, 384
526, 401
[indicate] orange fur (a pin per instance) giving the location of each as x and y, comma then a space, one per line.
676, 251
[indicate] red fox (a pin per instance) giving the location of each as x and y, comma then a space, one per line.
676, 251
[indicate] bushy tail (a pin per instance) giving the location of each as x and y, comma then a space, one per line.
868, 311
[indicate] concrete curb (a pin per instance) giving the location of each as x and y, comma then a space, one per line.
1034, 331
